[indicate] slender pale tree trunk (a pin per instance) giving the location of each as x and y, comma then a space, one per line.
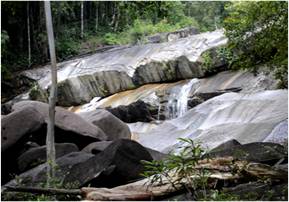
117, 19
52, 97
113, 14
81, 35
96, 16
28, 36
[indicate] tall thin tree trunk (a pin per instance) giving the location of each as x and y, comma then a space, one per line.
28, 36
117, 19
81, 35
52, 97
113, 6
96, 16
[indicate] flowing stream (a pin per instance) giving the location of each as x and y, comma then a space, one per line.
177, 104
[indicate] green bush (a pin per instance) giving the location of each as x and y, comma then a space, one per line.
258, 35
140, 29
67, 48
111, 39
187, 22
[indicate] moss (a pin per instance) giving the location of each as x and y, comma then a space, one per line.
207, 62
36, 93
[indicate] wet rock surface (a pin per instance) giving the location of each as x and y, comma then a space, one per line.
279, 134
244, 117
238, 117
82, 79
157, 97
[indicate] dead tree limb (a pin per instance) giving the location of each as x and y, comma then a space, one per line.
50, 191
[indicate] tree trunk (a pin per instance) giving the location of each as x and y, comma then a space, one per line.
28, 36
52, 97
113, 6
96, 16
117, 10
81, 35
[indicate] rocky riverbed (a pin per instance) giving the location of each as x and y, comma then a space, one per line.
129, 104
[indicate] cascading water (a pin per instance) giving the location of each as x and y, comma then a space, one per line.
177, 103
182, 103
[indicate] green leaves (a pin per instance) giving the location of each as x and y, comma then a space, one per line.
257, 33
179, 168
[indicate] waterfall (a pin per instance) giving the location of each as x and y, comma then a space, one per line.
182, 103
159, 111
177, 104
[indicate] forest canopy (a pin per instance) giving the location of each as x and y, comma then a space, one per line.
257, 30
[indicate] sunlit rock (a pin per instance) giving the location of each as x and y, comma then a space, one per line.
120, 69
172, 98
244, 117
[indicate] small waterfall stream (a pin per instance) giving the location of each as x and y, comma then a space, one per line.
182, 103
177, 103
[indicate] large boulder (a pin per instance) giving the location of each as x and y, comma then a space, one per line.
38, 175
97, 147
255, 191
114, 128
15, 130
19, 123
137, 111
28, 122
73, 127
261, 152
117, 164
120, 69
226, 145
37, 155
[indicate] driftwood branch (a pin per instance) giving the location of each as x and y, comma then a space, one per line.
220, 169
50, 191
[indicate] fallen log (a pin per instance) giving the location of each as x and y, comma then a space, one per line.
50, 191
265, 171
220, 169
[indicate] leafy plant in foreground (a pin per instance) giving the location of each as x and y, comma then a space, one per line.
180, 169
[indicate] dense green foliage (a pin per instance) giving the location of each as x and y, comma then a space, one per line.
257, 33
